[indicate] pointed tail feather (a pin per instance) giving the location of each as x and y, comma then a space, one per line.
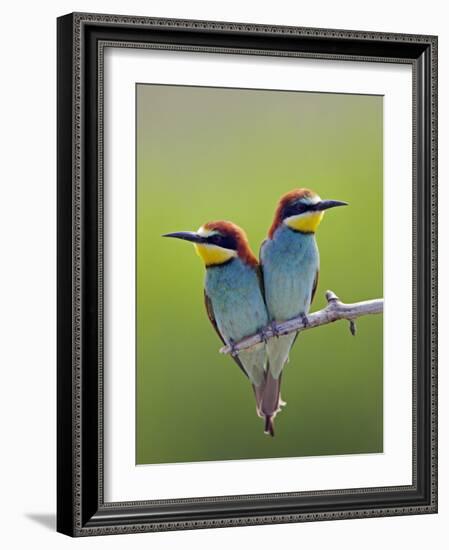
271, 401
269, 426
258, 393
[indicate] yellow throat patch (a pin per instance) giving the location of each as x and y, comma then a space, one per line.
214, 255
306, 223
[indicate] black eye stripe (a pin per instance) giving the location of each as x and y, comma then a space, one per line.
295, 209
224, 241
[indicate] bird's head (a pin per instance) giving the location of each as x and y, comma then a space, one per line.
219, 242
301, 210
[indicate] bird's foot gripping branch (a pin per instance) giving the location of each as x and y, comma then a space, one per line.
334, 311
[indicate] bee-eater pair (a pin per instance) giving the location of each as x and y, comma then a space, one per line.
243, 296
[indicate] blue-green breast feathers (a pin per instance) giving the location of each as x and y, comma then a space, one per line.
235, 292
290, 263
235, 305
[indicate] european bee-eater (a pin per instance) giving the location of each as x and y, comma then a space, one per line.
233, 293
289, 260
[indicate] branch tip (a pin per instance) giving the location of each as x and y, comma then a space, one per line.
331, 297
352, 327
334, 311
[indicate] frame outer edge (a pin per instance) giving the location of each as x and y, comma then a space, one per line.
259, 28
77, 272
69, 508
434, 271
65, 246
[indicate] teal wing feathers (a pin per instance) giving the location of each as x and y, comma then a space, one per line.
210, 314
315, 284
260, 279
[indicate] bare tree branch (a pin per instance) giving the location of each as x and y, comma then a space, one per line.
334, 311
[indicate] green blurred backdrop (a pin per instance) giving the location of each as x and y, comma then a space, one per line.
214, 153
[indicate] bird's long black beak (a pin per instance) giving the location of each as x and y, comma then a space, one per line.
190, 236
325, 205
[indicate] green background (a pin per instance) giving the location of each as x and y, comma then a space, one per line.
211, 153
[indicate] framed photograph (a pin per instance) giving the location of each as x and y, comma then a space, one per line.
247, 274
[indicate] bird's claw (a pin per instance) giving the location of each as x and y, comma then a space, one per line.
234, 351
305, 320
274, 329
263, 335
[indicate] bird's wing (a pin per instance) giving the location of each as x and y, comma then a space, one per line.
315, 284
260, 270
259, 273
264, 242
210, 314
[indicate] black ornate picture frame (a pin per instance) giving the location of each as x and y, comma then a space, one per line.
81, 509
